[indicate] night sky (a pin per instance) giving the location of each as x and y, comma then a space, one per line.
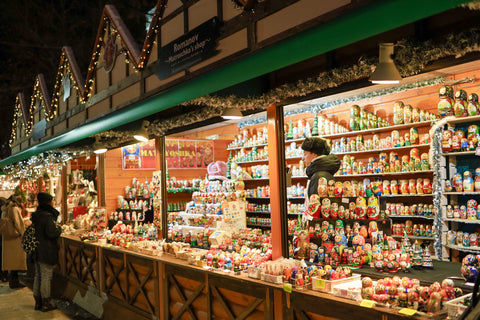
32, 34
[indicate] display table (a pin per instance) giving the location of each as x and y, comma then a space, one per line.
136, 286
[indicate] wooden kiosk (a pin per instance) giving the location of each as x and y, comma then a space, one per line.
251, 39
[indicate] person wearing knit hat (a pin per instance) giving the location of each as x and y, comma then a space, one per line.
217, 171
319, 163
45, 256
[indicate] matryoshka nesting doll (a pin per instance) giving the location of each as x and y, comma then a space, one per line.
373, 230
361, 208
473, 239
334, 210
341, 212
326, 203
473, 108
468, 185
331, 188
460, 106
322, 188
373, 209
447, 140
338, 191
445, 105
458, 182
398, 109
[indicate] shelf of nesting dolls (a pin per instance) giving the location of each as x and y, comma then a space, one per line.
414, 237
252, 146
383, 225
464, 119
257, 198
378, 130
261, 226
252, 161
382, 150
258, 212
411, 217
406, 195
470, 221
384, 174
123, 210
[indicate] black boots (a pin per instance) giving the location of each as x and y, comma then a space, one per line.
14, 283
38, 303
47, 305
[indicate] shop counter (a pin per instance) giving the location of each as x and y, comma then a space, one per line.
139, 286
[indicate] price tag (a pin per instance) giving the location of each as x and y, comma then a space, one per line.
345, 200
367, 303
320, 284
477, 151
287, 287
407, 311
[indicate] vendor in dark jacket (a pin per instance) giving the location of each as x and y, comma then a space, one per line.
46, 255
319, 162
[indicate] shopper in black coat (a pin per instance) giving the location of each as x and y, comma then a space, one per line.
46, 256
319, 162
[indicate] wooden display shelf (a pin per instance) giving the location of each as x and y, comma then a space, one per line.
406, 195
415, 237
459, 153
452, 193
252, 161
295, 198
409, 217
379, 130
118, 209
382, 150
462, 248
465, 119
261, 226
245, 147
351, 133
384, 174
469, 221
257, 179
257, 198
257, 212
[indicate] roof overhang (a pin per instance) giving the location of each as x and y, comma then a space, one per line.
367, 21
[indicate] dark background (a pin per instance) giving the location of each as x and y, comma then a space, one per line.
32, 34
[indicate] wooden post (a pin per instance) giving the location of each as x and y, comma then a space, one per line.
161, 165
101, 179
64, 183
276, 166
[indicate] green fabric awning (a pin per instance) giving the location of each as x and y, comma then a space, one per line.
367, 21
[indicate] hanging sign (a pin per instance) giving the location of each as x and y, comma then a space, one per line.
139, 156
110, 54
188, 154
188, 50
39, 129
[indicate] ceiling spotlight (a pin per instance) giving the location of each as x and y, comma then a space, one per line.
386, 72
142, 133
232, 114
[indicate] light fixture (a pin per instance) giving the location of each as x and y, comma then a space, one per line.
386, 71
99, 147
142, 134
232, 114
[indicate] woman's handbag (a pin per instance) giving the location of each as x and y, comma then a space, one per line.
7, 229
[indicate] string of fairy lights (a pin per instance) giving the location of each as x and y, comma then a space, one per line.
411, 59
35, 166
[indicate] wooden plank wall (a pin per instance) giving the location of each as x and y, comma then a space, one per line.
117, 179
